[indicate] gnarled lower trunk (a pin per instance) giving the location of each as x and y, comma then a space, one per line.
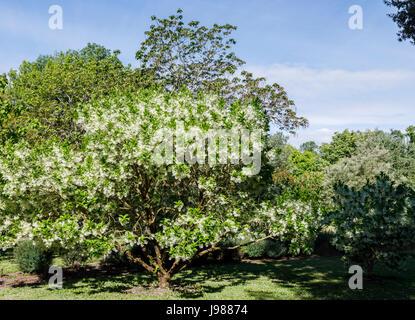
164, 280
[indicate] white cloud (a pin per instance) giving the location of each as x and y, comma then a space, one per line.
335, 99
313, 83
317, 135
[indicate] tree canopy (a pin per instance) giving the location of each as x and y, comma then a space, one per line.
404, 18
111, 191
200, 58
42, 95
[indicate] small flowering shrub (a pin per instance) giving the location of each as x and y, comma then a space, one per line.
121, 187
375, 223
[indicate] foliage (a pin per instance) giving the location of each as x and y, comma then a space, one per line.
110, 190
187, 56
360, 168
343, 145
265, 249
375, 152
404, 18
400, 148
293, 221
42, 95
5, 108
279, 154
304, 187
120, 259
410, 133
75, 257
199, 58
375, 223
32, 257
306, 162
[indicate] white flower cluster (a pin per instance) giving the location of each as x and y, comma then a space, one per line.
66, 194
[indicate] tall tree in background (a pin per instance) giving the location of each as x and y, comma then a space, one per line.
310, 146
200, 59
42, 95
404, 17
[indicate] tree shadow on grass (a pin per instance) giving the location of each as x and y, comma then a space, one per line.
315, 278
327, 278
285, 274
108, 284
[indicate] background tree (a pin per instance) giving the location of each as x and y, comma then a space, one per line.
375, 223
310, 146
343, 145
404, 18
355, 171
410, 133
5, 109
200, 59
43, 94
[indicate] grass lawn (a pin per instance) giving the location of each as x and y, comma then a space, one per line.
313, 278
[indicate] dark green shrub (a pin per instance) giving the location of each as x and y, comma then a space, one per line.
254, 250
32, 258
265, 249
275, 249
376, 223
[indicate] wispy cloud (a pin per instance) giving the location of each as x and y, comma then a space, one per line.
335, 99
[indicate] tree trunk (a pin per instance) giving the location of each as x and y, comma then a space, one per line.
164, 281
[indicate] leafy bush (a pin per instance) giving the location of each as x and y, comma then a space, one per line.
32, 258
275, 249
265, 249
375, 223
255, 250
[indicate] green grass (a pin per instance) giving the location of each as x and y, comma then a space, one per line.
314, 278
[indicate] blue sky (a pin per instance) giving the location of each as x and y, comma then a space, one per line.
339, 78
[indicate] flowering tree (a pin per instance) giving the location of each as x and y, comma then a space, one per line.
132, 181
